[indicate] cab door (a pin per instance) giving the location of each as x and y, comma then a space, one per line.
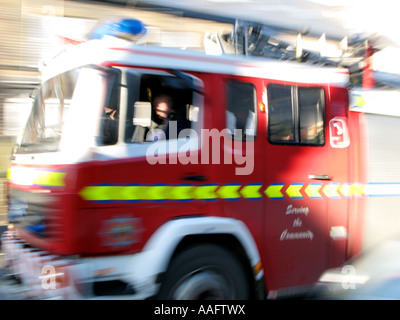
296, 171
241, 171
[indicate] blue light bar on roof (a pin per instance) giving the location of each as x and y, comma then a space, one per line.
122, 28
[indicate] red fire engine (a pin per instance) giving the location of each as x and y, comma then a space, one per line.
256, 196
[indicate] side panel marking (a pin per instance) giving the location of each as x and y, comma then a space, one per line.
234, 191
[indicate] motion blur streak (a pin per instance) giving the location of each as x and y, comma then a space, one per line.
32, 31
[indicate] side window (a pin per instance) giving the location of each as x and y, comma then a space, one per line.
241, 113
162, 108
110, 121
295, 115
281, 114
311, 112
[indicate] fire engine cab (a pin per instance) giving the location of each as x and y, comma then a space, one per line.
249, 186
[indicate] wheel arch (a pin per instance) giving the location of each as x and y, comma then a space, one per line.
231, 234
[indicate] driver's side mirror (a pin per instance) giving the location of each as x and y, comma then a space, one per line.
142, 113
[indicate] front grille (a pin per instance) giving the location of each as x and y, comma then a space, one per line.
28, 216
30, 211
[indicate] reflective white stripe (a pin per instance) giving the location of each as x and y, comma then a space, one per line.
382, 189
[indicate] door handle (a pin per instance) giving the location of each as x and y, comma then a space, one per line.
195, 178
319, 177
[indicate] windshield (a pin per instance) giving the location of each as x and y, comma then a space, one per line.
104, 106
61, 108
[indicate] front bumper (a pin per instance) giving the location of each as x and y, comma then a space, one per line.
41, 275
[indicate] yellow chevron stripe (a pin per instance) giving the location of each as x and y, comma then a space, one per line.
312, 190
251, 191
95, 193
274, 191
229, 191
293, 191
331, 190
205, 192
35, 176
345, 190
182, 192
49, 178
357, 189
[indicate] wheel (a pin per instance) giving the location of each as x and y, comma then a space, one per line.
204, 272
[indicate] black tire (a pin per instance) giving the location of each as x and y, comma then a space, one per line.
205, 272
